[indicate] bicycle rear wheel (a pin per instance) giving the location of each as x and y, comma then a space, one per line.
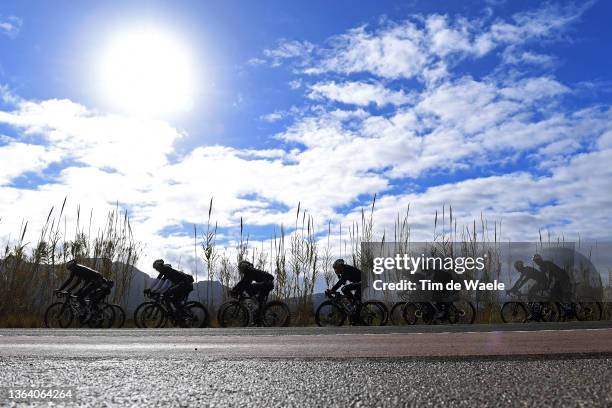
58, 316
102, 317
153, 316
418, 312
197, 315
588, 311
233, 314
513, 312
549, 312
385, 309
329, 314
462, 312
372, 313
276, 314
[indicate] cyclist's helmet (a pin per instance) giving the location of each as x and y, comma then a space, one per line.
158, 264
537, 258
244, 265
338, 263
518, 265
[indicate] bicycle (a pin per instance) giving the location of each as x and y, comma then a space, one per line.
245, 309
456, 312
62, 314
517, 311
582, 311
161, 310
338, 308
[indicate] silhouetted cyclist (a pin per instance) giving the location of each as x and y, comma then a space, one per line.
87, 278
347, 273
254, 281
529, 273
559, 281
175, 285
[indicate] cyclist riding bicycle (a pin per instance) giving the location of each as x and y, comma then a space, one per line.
175, 285
347, 273
88, 279
254, 281
529, 273
558, 279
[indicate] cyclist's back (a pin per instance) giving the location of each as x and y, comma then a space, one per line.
254, 281
558, 279
79, 274
181, 283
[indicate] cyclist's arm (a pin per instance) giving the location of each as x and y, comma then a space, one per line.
166, 284
340, 282
159, 282
67, 281
76, 284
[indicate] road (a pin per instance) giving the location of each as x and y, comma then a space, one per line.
536, 364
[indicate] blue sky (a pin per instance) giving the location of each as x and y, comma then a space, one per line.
495, 107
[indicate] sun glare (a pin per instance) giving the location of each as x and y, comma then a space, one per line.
148, 72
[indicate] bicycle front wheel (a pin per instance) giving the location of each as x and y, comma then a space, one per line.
153, 316
513, 312
396, 314
233, 314
58, 316
329, 314
138, 313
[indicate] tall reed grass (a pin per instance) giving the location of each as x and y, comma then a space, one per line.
29, 271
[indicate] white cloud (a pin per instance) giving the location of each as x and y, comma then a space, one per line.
358, 93
288, 49
330, 158
127, 145
18, 158
424, 47
272, 117
10, 26
513, 56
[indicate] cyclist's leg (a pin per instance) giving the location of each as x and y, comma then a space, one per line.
171, 295
263, 290
180, 294
357, 292
85, 290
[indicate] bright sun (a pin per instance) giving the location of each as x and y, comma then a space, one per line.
148, 72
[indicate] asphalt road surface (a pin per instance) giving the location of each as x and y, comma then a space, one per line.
566, 364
